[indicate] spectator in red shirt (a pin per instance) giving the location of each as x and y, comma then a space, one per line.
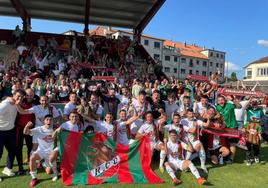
20, 123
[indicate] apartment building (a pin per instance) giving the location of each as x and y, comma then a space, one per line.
191, 60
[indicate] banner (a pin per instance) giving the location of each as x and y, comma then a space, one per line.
94, 159
225, 91
197, 77
227, 132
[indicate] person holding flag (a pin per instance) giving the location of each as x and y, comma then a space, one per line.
152, 127
226, 110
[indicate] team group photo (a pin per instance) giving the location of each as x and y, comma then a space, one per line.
89, 99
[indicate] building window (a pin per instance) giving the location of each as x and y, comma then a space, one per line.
197, 72
204, 63
126, 37
191, 63
175, 70
217, 55
183, 71
210, 63
167, 69
249, 73
217, 64
146, 42
204, 73
222, 56
183, 60
221, 65
190, 71
211, 54
156, 56
210, 73
175, 59
156, 44
167, 58
197, 62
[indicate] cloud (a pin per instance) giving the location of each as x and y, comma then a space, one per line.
231, 67
262, 42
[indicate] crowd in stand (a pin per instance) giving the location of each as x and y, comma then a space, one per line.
173, 112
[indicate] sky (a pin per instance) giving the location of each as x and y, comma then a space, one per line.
237, 27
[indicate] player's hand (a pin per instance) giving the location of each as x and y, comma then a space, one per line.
29, 124
165, 140
190, 149
139, 114
58, 129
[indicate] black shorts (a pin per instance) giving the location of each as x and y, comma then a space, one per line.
233, 140
215, 152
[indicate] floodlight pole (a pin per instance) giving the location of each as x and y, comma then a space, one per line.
86, 21
21, 10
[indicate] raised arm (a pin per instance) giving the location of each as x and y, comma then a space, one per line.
88, 118
206, 124
26, 129
133, 119
54, 134
21, 110
237, 104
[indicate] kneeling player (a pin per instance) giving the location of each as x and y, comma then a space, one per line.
217, 145
45, 147
174, 149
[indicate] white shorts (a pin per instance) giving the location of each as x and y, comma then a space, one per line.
43, 155
195, 143
177, 164
155, 144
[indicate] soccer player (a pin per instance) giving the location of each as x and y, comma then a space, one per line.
45, 147
40, 111
151, 127
122, 127
106, 127
174, 149
70, 106
175, 125
192, 128
139, 105
217, 145
72, 125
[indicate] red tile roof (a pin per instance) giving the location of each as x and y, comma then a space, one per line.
101, 31
186, 49
261, 60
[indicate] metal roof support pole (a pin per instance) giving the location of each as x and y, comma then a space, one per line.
26, 24
86, 21
150, 15
137, 35
23, 14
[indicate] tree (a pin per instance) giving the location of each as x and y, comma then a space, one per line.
233, 77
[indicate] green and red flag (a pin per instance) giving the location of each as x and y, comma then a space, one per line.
95, 159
